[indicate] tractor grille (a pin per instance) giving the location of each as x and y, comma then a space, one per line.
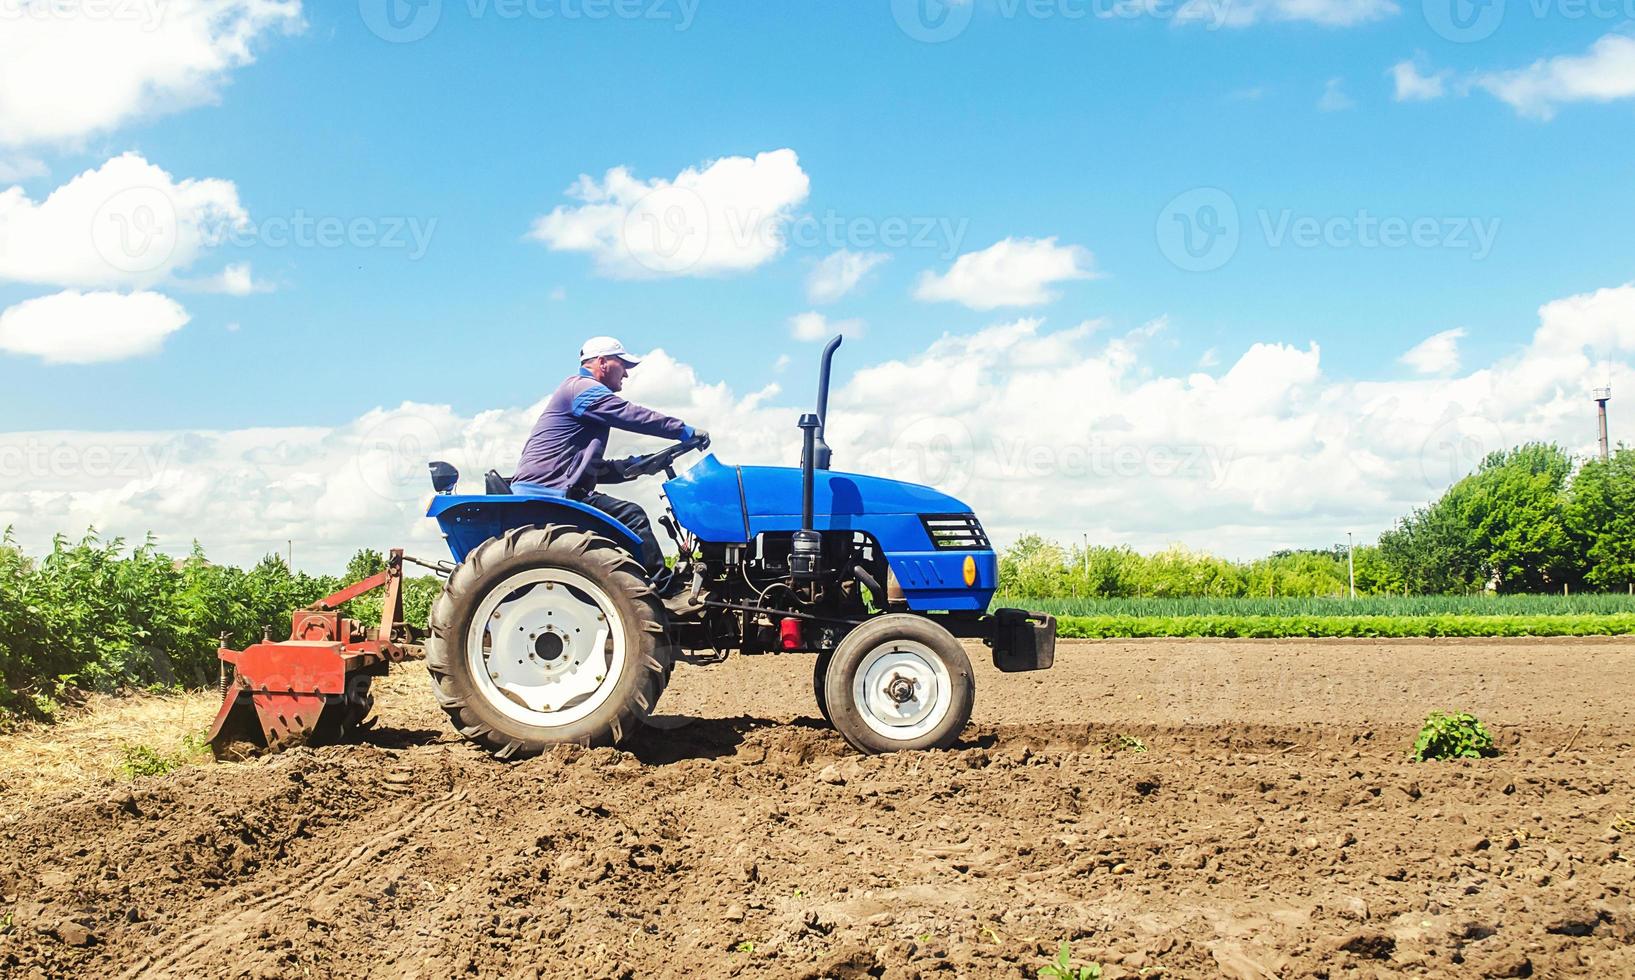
955, 532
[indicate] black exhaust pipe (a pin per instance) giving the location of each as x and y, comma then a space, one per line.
821, 459
806, 551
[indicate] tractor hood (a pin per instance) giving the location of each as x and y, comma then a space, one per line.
733, 504
728, 504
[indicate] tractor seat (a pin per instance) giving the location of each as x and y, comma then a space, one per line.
502, 486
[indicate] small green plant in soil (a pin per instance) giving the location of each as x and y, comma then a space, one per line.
744, 947
1453, 735
141, 760
1126, 743
1063, 968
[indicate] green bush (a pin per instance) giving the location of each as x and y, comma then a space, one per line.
1450, 735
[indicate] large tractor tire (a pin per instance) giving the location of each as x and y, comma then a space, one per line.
899, 682
547, 636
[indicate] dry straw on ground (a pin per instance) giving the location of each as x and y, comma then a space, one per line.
87, 744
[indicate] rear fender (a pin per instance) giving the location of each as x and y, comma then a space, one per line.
468, 521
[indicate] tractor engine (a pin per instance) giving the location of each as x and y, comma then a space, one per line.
774, 608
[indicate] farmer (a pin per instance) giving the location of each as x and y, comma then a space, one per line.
563, 454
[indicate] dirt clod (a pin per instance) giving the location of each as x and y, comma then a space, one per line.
1369, 945
1506, 965
1577, 924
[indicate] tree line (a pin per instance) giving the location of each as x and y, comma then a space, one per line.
94, 614
1528, 520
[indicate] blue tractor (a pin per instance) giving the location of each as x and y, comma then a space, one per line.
550, 631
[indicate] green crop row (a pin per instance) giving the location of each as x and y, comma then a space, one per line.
1272, 627
1591, 604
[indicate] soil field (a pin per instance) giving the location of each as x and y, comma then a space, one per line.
1272, 828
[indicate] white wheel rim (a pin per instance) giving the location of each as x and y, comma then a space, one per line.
902, 690
546, 647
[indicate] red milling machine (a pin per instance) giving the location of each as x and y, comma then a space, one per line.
313, 688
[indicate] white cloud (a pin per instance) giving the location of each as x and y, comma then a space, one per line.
88, 328
13, 169
1334, 98
234, 280
1059, 432
816, 326
728, 217
1604, 73
839, 273
126, 223
1245, 13
1437, 354
1012, 272
1411, 86
73, 68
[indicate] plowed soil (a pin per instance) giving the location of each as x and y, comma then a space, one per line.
1273, 827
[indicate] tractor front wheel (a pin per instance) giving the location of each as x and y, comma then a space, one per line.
545, 636
820, 677
899, 682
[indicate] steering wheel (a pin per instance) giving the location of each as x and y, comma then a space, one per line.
659, 462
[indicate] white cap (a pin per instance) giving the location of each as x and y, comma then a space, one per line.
606, 347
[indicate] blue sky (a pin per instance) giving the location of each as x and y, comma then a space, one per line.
1031, 124
1018, 127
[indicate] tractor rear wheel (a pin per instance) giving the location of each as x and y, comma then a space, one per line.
546, 636
899, 682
